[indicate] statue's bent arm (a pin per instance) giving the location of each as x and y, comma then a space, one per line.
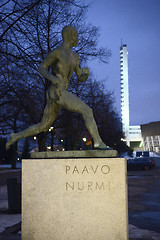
83, 73
47, 62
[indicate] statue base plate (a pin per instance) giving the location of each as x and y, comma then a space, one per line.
76, 154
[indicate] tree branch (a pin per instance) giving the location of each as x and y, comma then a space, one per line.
14, 22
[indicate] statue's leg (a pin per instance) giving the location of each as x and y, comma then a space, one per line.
75, 104
50, 114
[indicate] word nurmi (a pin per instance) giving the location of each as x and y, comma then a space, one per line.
87, 186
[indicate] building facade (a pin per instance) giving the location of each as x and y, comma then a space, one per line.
151, 136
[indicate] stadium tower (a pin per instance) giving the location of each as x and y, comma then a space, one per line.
132, 134
124, 91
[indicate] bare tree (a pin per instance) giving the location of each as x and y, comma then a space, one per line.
11, 13
30, 29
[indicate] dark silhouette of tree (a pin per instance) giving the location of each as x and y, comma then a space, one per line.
11, 13
30, 30
6, 157
33, 29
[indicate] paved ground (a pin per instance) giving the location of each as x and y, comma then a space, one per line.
8, 228
144, 199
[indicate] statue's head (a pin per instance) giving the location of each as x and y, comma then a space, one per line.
70, 34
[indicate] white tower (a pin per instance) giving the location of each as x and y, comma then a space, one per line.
131, 133
124, 91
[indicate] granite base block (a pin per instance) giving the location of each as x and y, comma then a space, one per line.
74, 199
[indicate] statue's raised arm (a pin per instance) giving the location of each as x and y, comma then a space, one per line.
83, 73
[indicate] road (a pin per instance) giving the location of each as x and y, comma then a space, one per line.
144, 199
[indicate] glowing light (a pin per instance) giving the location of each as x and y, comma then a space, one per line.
123, 140
141, 144
84, 139
50, 129
34, 137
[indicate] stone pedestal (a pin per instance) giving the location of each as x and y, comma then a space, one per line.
74, 199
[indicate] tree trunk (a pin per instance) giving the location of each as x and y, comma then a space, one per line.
76, 136
25, 153
14, 156
42, 141
52, 140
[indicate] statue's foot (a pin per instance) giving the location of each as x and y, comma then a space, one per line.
11, 141
102, 146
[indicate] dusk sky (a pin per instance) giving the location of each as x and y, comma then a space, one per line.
137, 23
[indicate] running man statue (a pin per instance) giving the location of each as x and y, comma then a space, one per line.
62, 62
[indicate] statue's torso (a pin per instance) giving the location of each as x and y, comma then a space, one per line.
64, 65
